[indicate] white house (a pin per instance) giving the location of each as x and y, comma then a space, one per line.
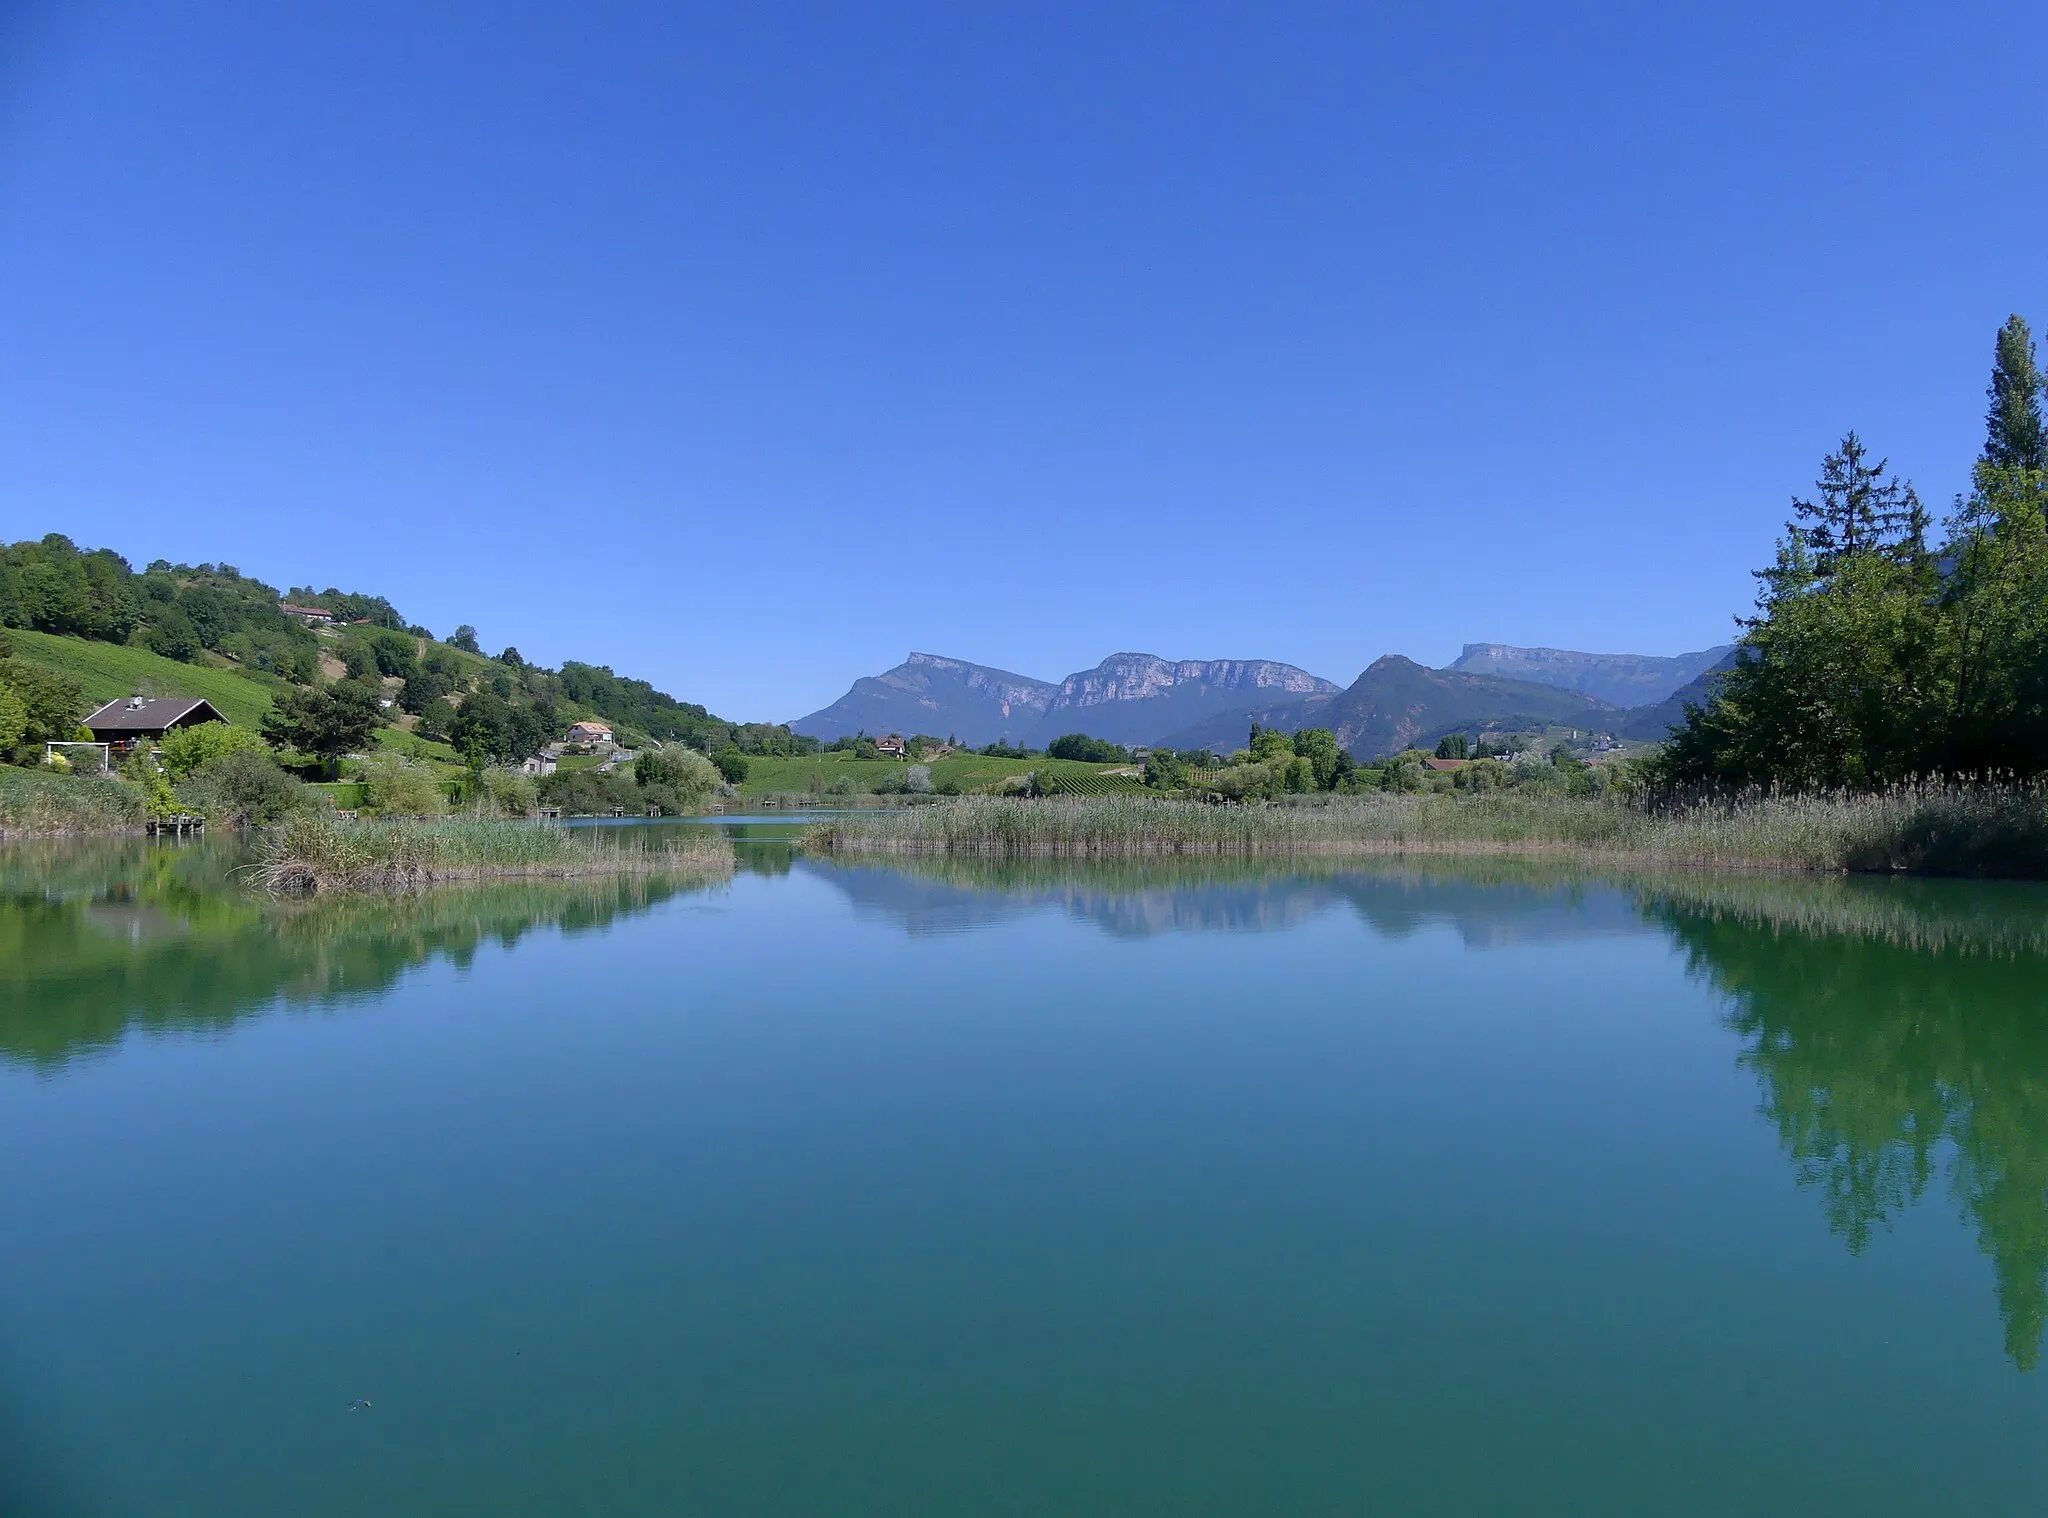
589, 732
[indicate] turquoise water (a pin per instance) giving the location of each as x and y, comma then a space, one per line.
956, 1190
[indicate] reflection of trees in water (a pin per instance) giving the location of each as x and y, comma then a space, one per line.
1884, 1065
96, 941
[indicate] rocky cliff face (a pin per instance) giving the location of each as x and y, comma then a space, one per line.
1618, 679
1142, 698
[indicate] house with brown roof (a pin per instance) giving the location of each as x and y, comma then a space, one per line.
891, 747
122, 725
589, 732
313, 616
1445, 765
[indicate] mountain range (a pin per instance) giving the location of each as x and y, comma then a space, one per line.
1136, 698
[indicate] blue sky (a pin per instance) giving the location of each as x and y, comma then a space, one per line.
746, 348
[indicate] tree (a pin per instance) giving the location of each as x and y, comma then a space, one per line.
50, 703
1088, 750
484, 723
464, 638
1453, 746
511, 656
675, 778
1318, 745
1859, 511
2016, 435
1164, 770
732, 764
325, 722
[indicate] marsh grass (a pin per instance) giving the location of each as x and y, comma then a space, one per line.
1935, 830
48, 806
317, 854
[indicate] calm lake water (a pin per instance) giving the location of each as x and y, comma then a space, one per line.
963, 1190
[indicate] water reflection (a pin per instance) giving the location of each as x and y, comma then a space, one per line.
1898, 1030
1900, 1037
101, 938
1489, 904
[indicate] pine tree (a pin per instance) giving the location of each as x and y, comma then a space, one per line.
2016, 437
1859, 510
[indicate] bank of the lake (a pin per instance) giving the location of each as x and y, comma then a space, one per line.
1935, 830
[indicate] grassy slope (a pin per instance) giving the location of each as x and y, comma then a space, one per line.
109, 671
971, 772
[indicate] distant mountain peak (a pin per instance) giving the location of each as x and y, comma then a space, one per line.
1625, 680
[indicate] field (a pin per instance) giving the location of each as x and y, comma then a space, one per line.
109, 671
970, 772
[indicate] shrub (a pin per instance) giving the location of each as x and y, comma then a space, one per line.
186, 749
511, 793
396, 787
243, 786
732, 764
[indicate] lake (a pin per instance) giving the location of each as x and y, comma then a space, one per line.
964, 1189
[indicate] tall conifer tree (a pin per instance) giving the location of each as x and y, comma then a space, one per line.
2015, 434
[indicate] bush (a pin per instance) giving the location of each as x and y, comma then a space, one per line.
243, 786
732, 764
187, 749
676, 779
511, 793
395, 787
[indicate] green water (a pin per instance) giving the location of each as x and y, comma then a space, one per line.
973, 1190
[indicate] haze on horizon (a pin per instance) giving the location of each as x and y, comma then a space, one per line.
746, 349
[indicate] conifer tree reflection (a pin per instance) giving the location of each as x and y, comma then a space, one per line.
1885, 1066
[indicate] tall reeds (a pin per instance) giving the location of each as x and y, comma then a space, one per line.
313, 853
1936, 830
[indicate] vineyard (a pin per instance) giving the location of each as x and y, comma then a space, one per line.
1085, 781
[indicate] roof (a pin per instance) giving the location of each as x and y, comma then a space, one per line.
590, 726
303, 611
1445, 764
147, 714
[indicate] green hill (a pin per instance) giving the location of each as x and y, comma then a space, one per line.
109, 671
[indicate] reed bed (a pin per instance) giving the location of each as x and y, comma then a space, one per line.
1934, 830
312, 854
55, 806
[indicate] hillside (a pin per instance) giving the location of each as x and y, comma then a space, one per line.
208, 630
109, 671
1624, 680
1398, 704
938, 696
1141, 698
1652, 723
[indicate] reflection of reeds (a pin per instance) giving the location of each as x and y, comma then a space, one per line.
1934, 831
313, 853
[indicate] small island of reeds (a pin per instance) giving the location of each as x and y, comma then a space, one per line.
311, 853
1935, 830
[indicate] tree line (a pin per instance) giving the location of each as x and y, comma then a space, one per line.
1883, 650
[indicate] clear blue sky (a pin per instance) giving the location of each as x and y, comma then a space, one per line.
747, 347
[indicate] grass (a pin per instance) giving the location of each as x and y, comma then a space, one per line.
109, 671
1943, 831
39, 805
316, 854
